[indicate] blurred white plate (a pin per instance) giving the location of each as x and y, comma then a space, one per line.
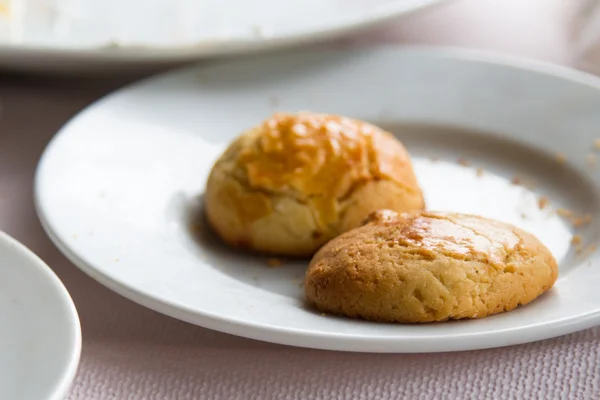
120, 187
71, 34
40, 338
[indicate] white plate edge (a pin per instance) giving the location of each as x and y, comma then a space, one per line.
61, 388
143, 52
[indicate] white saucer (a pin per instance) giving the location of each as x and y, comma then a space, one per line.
120, 186
90, 34
40, 337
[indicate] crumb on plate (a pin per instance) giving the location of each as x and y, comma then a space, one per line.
479, 171
543, 202
580, 221
576, 239
274, 262
463, 161
194, 228
563, 212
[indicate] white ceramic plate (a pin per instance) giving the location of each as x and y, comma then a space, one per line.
40, 338
119, 187
70, 34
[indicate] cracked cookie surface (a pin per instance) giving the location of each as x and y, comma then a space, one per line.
429, 266
296, 181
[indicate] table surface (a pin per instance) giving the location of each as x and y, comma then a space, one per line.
130, 352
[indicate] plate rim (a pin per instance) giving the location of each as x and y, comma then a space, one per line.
63, 385
328, 341
212, 48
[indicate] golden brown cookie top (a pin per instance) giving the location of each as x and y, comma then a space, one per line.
315, 154
429, 266
320, 159
458, 236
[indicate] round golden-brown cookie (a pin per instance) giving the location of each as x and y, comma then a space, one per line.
294, 182
428, 266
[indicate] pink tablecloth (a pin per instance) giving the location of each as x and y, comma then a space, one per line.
130, 352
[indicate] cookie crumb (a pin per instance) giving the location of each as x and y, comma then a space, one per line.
563, 212
561, 158
479, 172
463, 161
592, 248
578, 249
576, 239
543, 202
323, 315
516, 180
523, 215
274, 262
586, 219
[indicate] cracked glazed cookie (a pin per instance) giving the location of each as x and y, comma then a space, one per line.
296, 181
428, 266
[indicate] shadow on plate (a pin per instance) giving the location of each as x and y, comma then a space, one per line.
251, 269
